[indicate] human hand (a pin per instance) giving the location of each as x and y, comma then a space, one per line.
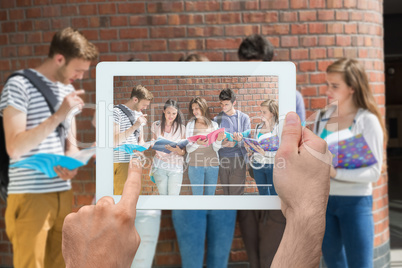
70, 102
301, 179
332, 172
176, 149
229, 144
237, 136
202, 142
142, 120
65, 173
104, 235
258, 149
221, 136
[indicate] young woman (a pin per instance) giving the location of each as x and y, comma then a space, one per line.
349, 232
262, 161
203, 160
168, 168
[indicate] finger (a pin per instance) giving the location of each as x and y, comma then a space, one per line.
291, 135
315, 146
105, 201
78, 92
132, 187
145, 115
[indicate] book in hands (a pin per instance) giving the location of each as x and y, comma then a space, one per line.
131, 148
212, 137
46, 163
229, 136
160, 144
267, 144
352, 153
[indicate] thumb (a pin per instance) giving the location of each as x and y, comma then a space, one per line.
291, 135
78, 92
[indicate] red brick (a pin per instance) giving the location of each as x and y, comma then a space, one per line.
350, 28
9, 52
168, 32
131, 8
34, 37
16, 14
7, 4
41, 49
60, 23
335, 28
335, 52
118, 21
148, 45
239, 5
24, 51
326, 40
185, 19
17, 38
79, 23
188, 44
165, 56
42, 25
202, 6
109, 8
119, 47
23, 3
274, 4
51, 11
3, 15
308, 41
317, 3
298, 4
307, 15
90, 34
351, 52
209, 31
223, 18
326, 15
334, 4
299, 29
344, 40
356, 16
289, 41
317, 28
133, 33
33, 12
309, 91
243, 30
274, 29
141, 20
108, 34
318, 103
237, 256
318, 53
307, 66
3, 39
342, 15
8, 27
87, 10
349, 3
165, 7
164, 260
288, 16
228, 43
299, 54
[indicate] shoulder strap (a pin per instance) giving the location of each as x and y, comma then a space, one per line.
219, 119
126, 112
47, 93
317, 126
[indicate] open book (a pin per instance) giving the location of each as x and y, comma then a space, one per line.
229, 136
266, 142
352, 153
130, 148
160, 144
212, 137
46, 163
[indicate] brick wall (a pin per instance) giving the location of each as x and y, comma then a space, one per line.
311, 33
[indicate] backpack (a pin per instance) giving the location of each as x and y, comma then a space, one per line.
130, 116
51, 101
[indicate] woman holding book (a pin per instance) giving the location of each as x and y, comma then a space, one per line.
168, 167
349, 232
203, 160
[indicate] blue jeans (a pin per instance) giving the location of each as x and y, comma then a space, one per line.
194, 226
203, 175
263, 174
168, 182
349, 232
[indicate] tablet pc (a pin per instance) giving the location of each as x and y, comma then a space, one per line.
253, 82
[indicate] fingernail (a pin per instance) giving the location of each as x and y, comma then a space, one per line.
292, 119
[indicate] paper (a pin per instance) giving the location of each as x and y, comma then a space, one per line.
46, 163
352, 153
212, 137
131, 148
267, 144
160, 144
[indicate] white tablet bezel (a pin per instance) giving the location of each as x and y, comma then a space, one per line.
105, 73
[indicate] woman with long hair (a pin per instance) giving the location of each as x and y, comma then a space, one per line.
349, 232
203, 160
168, 168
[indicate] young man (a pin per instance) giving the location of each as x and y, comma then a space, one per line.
128, 131
232, 168
36, 204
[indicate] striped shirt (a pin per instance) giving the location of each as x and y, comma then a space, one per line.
121, 119
23, 96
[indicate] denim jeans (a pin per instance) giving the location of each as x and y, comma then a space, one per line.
194, 226
203, 175
349, 232
168, 182
263, 174
147, 225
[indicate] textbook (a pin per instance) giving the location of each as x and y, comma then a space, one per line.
46, 163
352, 153
268, 144
229, 136
160, 144
130, 148
212, 137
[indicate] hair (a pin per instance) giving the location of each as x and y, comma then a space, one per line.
227, 94
72, 44
202, 103
256, 47
355, 77
272, 106
141, 93
177, 123
194, 57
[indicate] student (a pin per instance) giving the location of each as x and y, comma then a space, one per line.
232, 169
168, 168
349, 233
36, 204
128, 129
89, 236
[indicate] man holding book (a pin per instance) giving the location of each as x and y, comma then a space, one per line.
37, 205
232, 168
